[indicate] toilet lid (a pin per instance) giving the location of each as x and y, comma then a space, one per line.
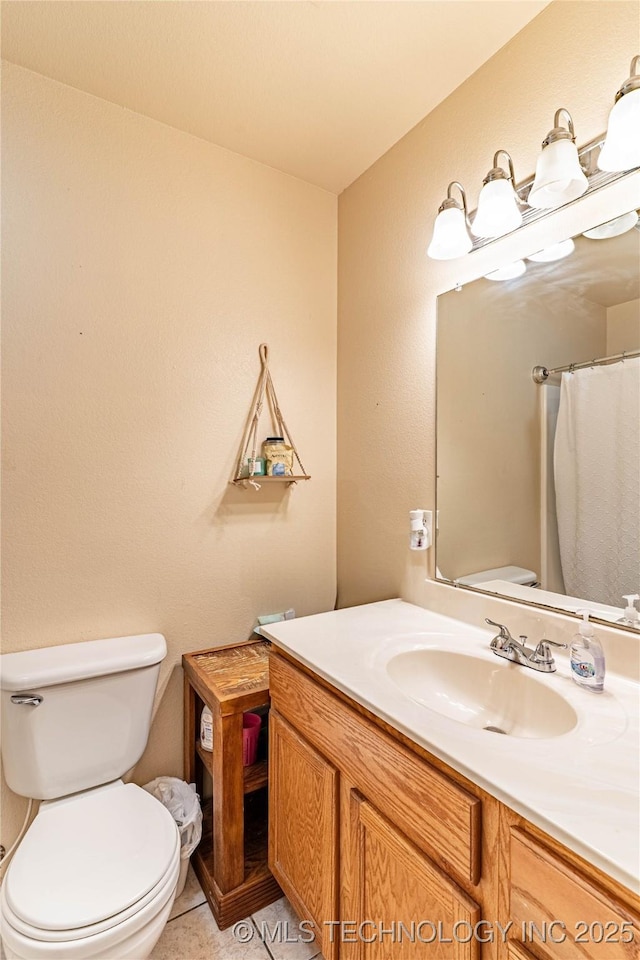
89, 857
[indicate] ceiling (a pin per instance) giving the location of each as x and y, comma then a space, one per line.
318, 90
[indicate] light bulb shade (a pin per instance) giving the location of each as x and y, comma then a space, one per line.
559, 176
621, 150
613, 228
509, 272
498, 211
556, 251
450, 235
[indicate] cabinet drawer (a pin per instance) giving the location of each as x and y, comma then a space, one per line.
544, 888
435, 813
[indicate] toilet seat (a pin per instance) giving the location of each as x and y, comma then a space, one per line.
91, 862
135, 936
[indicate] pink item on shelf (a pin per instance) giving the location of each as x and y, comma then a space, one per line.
251, 723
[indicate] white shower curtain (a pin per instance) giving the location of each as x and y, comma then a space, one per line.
597, 478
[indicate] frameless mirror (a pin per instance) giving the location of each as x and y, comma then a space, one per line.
538, 483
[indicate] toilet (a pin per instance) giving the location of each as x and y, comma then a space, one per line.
96, 873
509, 574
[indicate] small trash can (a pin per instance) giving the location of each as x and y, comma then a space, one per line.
182, 802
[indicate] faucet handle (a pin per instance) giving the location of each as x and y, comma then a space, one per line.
542, 651
504, 631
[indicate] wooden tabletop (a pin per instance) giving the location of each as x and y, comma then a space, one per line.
230, 674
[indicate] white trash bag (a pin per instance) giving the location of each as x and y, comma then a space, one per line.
182, 802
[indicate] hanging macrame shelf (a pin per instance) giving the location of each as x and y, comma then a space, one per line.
249, 445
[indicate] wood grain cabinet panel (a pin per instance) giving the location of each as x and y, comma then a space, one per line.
404, 905
515, 951
303, 828
589, 923
436, 814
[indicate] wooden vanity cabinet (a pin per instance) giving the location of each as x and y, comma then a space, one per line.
370, 830
397, 885
560, 912
303, 828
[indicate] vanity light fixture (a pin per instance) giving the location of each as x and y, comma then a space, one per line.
509, 272
498, 203
559, 176
450, 231
621, 150
613, 228
557, 251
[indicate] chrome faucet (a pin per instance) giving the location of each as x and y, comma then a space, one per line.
506, 646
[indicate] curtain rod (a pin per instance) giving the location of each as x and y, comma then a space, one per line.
540, 374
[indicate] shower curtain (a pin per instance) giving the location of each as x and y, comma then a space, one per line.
597, 479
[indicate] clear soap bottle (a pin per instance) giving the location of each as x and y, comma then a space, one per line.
587, 657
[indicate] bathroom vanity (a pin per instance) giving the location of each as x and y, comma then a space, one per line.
387, 811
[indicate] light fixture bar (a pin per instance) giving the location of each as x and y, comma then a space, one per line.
598, 179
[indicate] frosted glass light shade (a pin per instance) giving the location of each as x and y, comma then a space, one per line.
556, 251
621, 150
509, 272
498, 211
450, 235
613, 228
559, 176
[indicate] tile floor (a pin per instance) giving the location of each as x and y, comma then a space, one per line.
193, 934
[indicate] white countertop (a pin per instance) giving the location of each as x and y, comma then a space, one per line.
582, 787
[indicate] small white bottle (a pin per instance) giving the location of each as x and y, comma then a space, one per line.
418, 536
206, 729
587, 657
631, 614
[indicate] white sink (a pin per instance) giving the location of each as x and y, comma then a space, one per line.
493, 695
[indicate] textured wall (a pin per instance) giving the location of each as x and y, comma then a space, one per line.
623, 327
142, 268
388, 286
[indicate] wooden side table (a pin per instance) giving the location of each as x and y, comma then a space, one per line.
231, 860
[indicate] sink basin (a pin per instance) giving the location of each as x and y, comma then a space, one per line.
492, 695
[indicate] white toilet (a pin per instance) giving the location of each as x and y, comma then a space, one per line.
96, 872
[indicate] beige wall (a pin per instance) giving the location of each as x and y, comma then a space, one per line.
623, 327
490, 336
142, 268
388, 286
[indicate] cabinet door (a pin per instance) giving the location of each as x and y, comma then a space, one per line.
562, 914
515, 951
303, 828
404, 905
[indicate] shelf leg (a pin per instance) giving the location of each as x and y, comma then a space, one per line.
189, 755
228, 801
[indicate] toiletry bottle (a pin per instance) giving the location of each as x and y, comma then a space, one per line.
587, 658
206, 729
631, 614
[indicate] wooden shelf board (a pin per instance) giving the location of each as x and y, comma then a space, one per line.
256, 776
205, 755
260, 479
231, 673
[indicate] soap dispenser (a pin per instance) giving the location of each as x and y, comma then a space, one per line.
587, 658
631, 614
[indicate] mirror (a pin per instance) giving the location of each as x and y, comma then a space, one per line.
538, 484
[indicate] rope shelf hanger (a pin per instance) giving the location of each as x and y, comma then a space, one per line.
265, 390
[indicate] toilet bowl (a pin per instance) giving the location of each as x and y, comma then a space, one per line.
108, 895
95, 875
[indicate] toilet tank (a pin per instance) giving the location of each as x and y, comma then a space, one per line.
92, 721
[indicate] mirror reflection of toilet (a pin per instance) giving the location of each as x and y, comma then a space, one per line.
96, 872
